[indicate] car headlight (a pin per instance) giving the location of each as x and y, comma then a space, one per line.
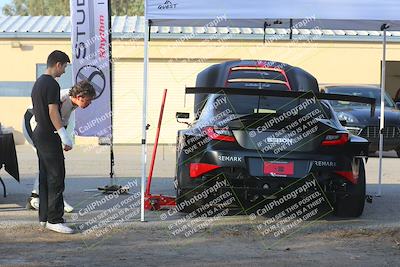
347, 117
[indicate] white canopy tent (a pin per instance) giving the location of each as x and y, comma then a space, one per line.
326, 14
329, 14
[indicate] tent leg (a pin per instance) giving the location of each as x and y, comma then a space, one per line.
144, 120
382, 119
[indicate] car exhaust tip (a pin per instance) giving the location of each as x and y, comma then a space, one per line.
266, 186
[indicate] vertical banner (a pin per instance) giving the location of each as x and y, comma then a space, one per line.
90, 32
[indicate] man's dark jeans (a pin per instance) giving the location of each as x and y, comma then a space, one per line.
51, 177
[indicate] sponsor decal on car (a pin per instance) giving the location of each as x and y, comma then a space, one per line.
323, 163
230, 158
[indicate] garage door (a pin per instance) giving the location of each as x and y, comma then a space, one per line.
127, 98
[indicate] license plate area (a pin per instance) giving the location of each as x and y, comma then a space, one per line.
279, 168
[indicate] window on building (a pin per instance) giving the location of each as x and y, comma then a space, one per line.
65, 80
24, 88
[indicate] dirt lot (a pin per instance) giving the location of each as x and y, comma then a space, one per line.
229, 243
371, 240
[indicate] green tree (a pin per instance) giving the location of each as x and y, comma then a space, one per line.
62, 8
17, 7
127, 7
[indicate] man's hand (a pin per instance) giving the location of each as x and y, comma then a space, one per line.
56, 120
65, 139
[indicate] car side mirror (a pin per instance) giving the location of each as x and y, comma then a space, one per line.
343, 122
398, 105
182, 115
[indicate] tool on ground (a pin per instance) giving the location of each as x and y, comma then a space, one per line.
157, 202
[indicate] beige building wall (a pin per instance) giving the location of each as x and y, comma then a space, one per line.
12, 110
174, 65
346, 62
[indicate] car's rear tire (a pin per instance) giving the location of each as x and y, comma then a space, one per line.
398, 152
352, 205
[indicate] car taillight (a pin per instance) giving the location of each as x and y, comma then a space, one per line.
335, 139
197, 169
220, 134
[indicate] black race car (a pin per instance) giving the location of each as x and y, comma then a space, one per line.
358, 120
259, 127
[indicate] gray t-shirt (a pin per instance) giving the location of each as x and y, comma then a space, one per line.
66, 106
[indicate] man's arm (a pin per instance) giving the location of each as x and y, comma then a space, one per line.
56, 120
55, 116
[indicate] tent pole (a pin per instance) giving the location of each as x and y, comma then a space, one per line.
112, 162
144, 119
382, 120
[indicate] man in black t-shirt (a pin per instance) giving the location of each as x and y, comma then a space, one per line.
50, 139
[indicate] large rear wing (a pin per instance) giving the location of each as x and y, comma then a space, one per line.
290, 94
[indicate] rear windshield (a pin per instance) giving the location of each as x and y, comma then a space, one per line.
257, 74
248, 77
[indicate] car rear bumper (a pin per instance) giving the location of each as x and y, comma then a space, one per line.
388, 144
251, 171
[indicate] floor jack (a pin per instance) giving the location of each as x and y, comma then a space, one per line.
157, 202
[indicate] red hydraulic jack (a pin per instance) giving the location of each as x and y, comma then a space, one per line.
157, 202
